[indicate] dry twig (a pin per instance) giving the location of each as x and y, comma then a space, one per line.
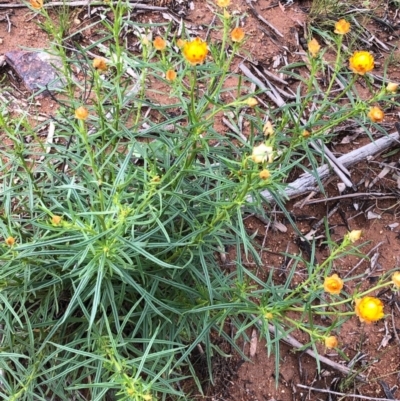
363, 397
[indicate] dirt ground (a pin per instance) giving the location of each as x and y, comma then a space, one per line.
375, 347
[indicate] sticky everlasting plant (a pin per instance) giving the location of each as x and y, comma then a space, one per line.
113, 234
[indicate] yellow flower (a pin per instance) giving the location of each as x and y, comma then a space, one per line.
262, 153
99, 64
396, 279
56, 220
265, 174
369, 309
392, 87
376, 114
331, 342
361, 62
10, 241
195, 52
170, 75
305, 134
223, 3
159, 43
313, 47
252, 102
36, 4
333, 284
268, 315
81, 113
342, 27
354, 235
237, 34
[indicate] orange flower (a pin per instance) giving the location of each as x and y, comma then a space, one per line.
56, 220
99, 64
313, 47
170, 75
81, 113
376, 114
10, 241
223, 3
159, 43
331, 342
361, 62
369, 309
305, 134
237, 34
265, 174
342, 27
396, 279
195, 52
36, 4
333, 284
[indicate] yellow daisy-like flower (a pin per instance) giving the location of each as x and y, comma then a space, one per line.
81, 113
369, 309
195, 52
331, 342
361, 62
223, 3
376, 114
342, 27
10, 241
237, 34
313, 47
396, 279
333, 284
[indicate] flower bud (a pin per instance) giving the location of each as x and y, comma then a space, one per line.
392, 87
354, 235
10, 241
81, 113
252, 102
331, 342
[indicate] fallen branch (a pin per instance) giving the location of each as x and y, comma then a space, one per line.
363, 397
288, 339
307, 182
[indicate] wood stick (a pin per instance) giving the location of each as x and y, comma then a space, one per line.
307, 181
363, 397
296, 344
